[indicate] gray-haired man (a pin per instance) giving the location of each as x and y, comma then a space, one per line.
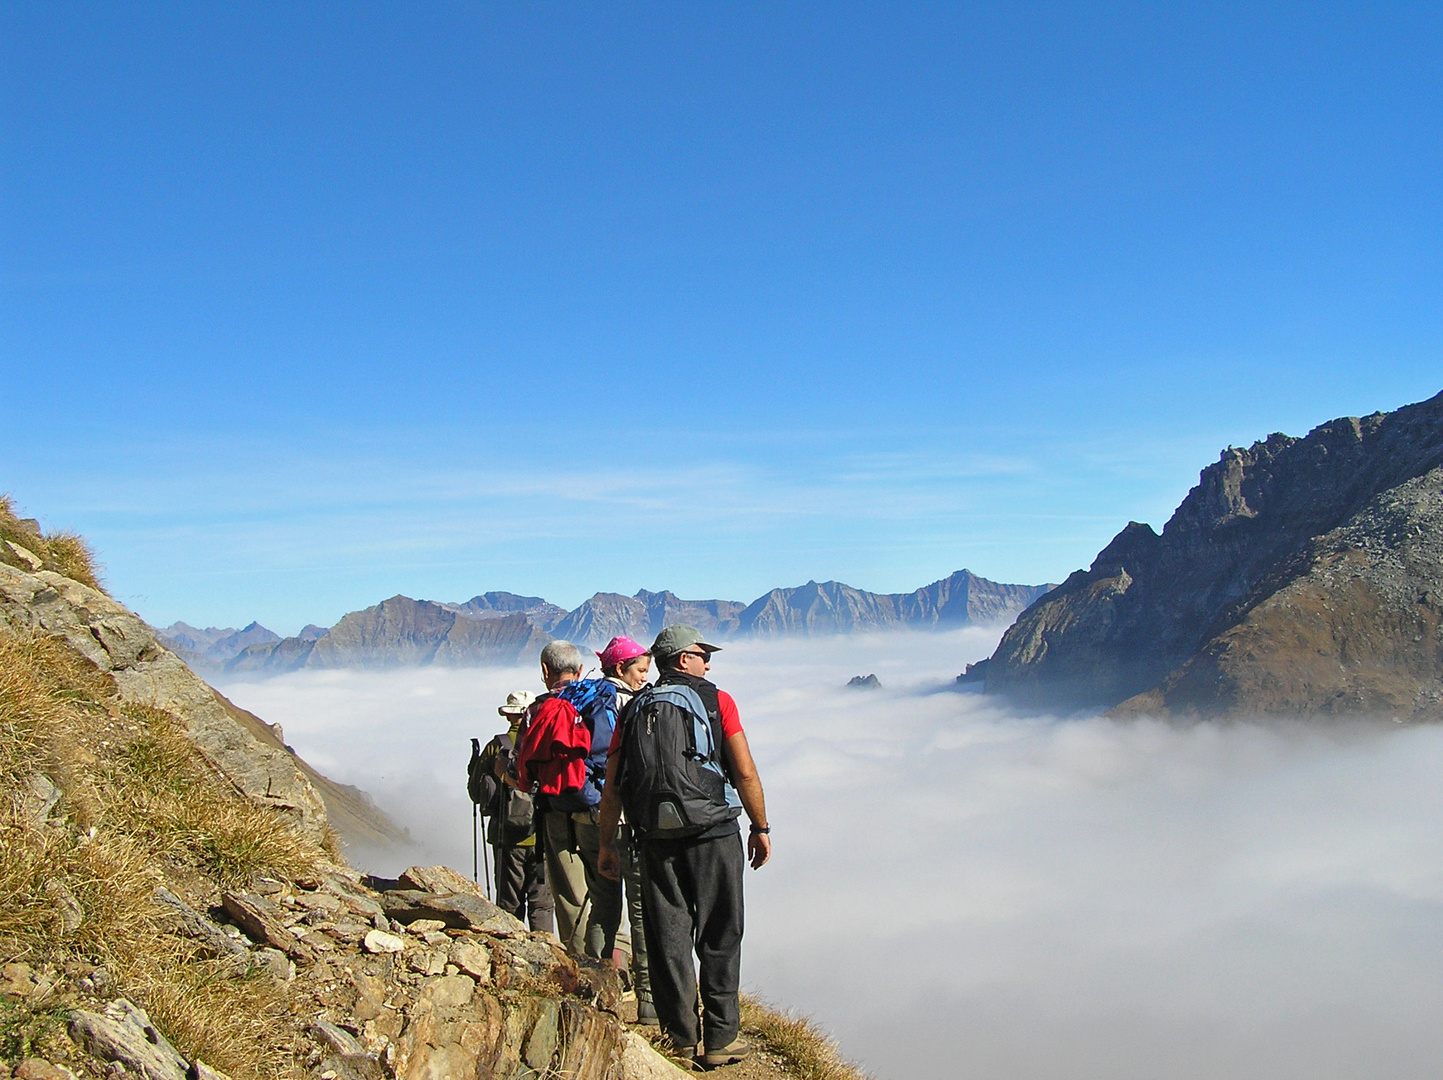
561, 663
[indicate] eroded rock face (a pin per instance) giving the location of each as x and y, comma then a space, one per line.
1299, 577
120, 643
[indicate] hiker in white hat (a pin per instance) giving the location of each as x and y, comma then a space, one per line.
521, 885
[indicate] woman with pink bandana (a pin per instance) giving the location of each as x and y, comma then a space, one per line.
627, 664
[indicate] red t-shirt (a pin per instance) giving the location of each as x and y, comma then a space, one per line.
730, 718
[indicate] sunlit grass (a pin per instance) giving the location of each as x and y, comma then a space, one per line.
139, 802
64, 552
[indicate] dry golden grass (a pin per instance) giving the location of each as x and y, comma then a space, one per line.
809, 1054
139, 804
163, 795
64, 552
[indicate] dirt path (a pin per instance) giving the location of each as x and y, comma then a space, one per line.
784, 1048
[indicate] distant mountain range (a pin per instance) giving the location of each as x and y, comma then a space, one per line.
502, 628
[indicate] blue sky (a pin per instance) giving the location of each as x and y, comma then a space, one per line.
305, 305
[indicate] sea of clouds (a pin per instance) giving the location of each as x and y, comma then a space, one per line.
960, 890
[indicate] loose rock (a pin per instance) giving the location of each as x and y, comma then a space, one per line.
448, 991
640, 1062
40, 1069
72, 915
276, 963
338, 1039
378, 941
199, 927
472, 958
125, 1034
258, 917
40, 798
459, 911
441, 880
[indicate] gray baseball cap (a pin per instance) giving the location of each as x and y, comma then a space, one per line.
675, 639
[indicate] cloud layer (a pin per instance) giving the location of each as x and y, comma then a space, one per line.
961, 891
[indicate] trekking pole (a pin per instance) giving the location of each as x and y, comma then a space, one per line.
475, 832
489, 879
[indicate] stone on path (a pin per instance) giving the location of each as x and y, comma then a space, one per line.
258, 917
640, 1062
378, 941
460, 911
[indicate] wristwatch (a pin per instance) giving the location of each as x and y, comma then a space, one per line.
761, 830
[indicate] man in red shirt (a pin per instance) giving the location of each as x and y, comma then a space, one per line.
692, 888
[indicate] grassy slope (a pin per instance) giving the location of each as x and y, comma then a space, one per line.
140, 808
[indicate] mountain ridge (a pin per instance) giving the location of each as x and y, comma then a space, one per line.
501, 627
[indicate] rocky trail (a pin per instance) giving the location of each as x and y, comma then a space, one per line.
426, 980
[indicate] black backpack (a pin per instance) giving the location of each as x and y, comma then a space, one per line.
672, 780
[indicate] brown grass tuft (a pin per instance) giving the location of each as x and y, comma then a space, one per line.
809, 1053
63, 552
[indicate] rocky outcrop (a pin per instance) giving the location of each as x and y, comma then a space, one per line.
1301, 576
120, 644
377, 998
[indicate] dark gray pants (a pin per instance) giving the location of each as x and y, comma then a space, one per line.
692, 893
521, 886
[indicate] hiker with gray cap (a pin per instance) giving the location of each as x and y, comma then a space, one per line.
521, 887
681, 767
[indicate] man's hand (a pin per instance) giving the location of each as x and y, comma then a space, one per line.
759, 849
608, 862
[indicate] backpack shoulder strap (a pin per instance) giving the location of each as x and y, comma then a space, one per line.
703, 746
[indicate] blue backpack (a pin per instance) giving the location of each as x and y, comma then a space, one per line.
595, 702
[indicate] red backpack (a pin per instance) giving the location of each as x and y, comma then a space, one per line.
553, 748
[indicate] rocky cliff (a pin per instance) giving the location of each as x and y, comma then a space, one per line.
1301, 576
248, 752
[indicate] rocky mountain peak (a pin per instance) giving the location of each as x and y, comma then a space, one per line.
1286, 581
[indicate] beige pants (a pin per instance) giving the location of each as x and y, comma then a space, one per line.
566, 874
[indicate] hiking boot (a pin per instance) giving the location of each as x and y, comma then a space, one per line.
646, 1013
730, 1054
